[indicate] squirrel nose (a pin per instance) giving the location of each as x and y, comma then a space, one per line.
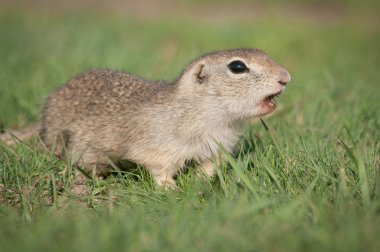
284, 77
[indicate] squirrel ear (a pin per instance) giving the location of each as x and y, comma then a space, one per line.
200, 73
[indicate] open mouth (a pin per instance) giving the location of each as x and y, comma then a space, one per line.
270, 100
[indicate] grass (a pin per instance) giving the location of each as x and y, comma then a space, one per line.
305, 179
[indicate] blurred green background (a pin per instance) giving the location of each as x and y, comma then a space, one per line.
309, 184
44, 43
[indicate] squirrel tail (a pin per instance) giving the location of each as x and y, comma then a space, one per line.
12, 137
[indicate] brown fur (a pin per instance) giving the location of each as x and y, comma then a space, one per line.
104, 115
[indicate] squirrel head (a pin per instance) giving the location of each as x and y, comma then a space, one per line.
243, 82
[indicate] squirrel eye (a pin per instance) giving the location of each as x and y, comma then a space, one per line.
238, 67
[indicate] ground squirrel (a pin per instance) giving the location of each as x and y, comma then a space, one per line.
104, 115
